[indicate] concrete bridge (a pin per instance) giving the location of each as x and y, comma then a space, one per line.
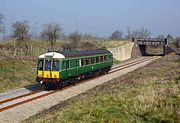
140, 44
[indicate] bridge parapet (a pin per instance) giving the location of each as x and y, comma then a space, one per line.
150, 41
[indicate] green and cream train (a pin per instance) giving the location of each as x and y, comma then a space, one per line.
62, 67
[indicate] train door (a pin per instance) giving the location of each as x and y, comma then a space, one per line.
64, 69
79, 68
68, 70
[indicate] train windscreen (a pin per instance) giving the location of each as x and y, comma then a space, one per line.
47, 65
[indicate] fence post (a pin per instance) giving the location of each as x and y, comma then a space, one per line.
21, 52
15, 51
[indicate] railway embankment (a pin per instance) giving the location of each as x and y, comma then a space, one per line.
149, 94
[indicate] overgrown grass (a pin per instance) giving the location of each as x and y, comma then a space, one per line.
150, 94
112, 44
16, 73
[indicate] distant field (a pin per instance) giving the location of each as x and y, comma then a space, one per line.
150, 94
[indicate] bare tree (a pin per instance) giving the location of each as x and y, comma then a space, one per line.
51, 32
160, 36
21, 32
128, 33
116, 35
142, 33
75, 38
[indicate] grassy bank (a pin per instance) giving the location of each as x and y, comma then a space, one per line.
16, 73
150, 94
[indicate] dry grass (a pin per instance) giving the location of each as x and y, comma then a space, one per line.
112, 44
16, 73
150, 94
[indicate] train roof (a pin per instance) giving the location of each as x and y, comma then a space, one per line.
69, 54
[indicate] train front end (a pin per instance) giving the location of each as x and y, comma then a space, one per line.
48, 68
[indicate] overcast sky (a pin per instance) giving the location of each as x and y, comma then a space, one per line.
98, 17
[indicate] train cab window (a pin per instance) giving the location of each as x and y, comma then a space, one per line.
55, 66
40, 64
47, 65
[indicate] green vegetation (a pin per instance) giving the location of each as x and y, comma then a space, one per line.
150, 94
16, 73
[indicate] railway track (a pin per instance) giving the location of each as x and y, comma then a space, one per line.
15, 101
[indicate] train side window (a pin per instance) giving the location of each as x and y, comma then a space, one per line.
101, 58
97, 59
63, 65
87, 61
92, 60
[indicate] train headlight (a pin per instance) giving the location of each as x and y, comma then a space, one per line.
39, 75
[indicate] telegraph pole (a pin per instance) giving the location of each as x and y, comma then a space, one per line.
76, 27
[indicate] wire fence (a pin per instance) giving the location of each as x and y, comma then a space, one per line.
20, 52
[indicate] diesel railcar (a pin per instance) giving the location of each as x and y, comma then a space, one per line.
60, 67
